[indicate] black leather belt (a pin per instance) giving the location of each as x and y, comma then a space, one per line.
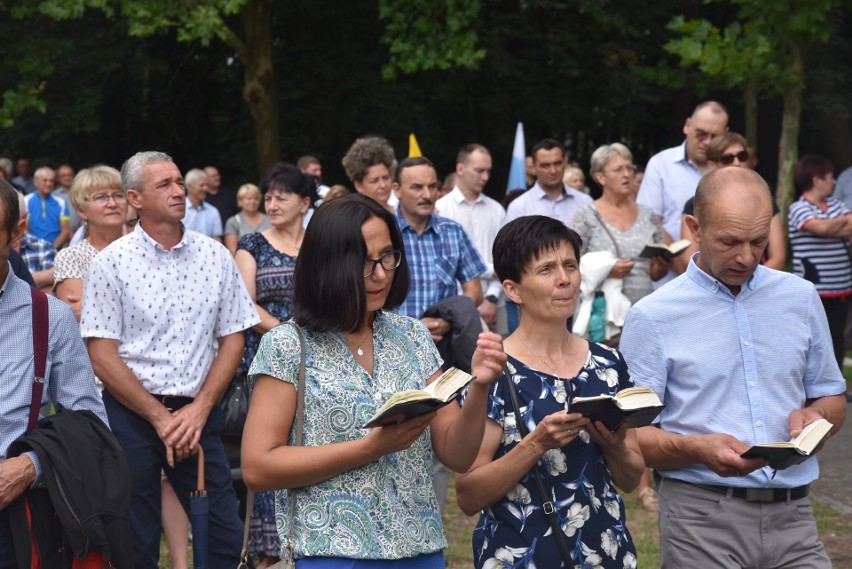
173, 402
762, 495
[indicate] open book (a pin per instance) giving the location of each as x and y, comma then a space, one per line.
786, 454
414, 402
639, 406
666, 251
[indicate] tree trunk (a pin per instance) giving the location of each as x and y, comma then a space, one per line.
788, 147
259, 91
750, 95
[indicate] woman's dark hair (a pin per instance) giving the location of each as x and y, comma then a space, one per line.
329, 294
809, 167
524, 239
288, 179
10, 207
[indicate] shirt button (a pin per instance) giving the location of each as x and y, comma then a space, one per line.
759, 423
745, 343
751, 384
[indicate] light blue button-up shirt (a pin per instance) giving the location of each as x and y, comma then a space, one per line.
670, 180
733, 364
536, 202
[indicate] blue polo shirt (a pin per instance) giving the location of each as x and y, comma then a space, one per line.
45, 215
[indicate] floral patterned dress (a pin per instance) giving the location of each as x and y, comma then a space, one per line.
514, 532
274, 292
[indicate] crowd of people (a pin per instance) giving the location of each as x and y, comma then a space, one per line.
166, 287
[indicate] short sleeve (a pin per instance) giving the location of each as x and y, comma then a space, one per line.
249, 243
236, 309
798, 213
232, 226
472, 264
822, 376
643, 347
102, 313
277, 356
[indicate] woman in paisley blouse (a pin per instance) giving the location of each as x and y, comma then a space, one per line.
364, 498
580, 462
266, 261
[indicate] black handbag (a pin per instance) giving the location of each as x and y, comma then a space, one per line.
234, 404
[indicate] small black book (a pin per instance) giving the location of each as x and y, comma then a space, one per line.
786, 454
668, 252
639, 406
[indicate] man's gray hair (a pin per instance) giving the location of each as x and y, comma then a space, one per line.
604, 154
39, 171
193, 176
131, 170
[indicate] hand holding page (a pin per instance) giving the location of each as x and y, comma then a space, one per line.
786, 454
639, 406
668, 252
415, 402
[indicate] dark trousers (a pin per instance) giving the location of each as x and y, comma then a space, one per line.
7, 548
146, 455
836, 310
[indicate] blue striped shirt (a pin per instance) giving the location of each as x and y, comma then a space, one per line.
69, 380
438, 259
822, 260
733, 364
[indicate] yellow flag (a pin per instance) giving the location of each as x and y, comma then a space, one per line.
413, 147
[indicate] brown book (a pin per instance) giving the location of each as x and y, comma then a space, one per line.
639, 406
668, 252
415, 402
786, 454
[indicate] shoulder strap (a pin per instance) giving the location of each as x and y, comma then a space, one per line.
40, 331
547, 505
608, 232
286, 548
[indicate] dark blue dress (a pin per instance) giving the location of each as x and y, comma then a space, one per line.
514, 531
274, 292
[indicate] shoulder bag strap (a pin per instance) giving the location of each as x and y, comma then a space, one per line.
40, 331
547, 505
286, 548
608, 232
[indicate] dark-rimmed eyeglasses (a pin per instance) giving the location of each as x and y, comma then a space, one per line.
389, 262
728, 159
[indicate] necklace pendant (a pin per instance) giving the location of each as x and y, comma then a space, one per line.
360, 351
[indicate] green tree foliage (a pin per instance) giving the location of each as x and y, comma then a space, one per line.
761, 50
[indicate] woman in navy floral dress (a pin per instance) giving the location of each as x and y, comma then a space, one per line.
267, 261
580, 462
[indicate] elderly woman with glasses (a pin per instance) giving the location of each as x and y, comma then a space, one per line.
99, 198
364, 497
616, 223
731, 149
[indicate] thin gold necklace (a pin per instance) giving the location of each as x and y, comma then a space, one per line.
544, 361
359, 351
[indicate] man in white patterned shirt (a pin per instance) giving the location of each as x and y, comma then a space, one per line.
164, 312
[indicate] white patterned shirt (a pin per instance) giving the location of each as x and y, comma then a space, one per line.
166, 308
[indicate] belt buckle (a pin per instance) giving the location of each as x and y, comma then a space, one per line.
762, 495
165, 402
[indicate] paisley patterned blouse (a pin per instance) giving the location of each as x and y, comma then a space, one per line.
514, 531
382, 510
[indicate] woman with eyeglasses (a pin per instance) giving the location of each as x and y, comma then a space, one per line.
615, 222
731, 149
99, 198
364, 497
267, 261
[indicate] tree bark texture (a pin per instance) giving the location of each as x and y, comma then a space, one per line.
788, 146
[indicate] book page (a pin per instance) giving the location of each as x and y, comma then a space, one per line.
637, 398
811, 435
448, 384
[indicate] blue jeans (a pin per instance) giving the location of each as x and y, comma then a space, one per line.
146, 455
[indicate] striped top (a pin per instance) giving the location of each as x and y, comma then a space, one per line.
822, 260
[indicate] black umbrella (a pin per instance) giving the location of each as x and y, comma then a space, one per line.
199, 518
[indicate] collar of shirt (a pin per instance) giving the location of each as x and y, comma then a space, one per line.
140, 235
204, 205
685, 157
710, 283
404, 225
539, 194
458, 196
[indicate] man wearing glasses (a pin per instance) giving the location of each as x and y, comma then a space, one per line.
673, 174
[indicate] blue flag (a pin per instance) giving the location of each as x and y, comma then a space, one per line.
518, 169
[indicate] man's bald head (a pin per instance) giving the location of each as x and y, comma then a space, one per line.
741, 185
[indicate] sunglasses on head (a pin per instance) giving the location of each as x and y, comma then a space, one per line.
728, 159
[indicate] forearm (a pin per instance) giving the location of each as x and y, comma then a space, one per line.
43, 278
831, 408
267, 321
662, 449
299, 466
484, 486
626, 465
221, 370
459, 442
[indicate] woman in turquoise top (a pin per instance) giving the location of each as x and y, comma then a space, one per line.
365, 497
